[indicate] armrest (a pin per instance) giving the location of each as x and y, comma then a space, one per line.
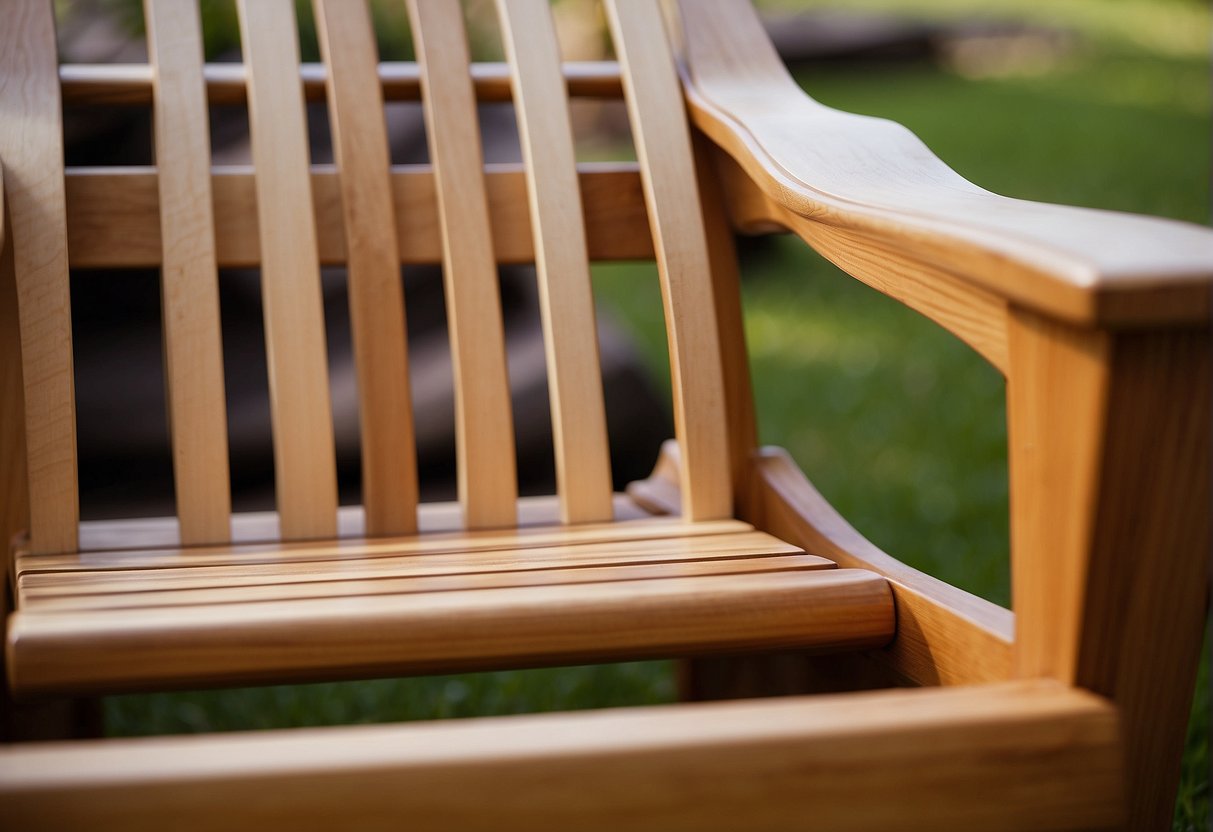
876, 181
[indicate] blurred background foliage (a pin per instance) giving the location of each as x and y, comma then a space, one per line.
1104, 103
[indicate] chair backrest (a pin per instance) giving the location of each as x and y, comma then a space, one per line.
288, 218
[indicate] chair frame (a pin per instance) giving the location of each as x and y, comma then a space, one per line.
1100, 323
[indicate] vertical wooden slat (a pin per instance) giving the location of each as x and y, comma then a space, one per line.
304, 459
663, 145
189, 279
31, 147
355, 100
583, 466
488, 483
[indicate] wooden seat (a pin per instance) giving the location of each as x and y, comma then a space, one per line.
1045, 717
441, 601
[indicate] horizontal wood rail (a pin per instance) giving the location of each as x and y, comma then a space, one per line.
114, 222
226, 82
1027, 755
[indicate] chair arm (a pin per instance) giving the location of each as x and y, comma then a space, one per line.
877, 185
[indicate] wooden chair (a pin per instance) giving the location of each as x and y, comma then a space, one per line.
1069, 714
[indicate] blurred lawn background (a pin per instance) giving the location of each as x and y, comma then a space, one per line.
898, 424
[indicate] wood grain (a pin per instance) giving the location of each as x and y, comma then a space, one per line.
1001, 757
1110, 528
875, 177
31, 146
376, 299
131, 84
193, 351
305, 474
111, 215
484, 432
579, 431
449, 631
663, 146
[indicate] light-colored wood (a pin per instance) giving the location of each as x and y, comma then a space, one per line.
31, 147
400, 561
111, 215
1003, 757
579, 432
875, 178
945, 636
484, 425
1111, 474
193, 351
734, 357
262, 526
226, 82
439, 632
663, 146
305, 475
385, 416
974, 315
78, 595
14, 484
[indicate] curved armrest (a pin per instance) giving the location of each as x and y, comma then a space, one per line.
875, 180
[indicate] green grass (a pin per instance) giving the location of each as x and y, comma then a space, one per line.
898, 424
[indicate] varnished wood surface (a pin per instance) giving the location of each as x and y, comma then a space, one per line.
566, 300
1111, 483
193, 351
112, 215
1001, 757
484, 424
31, 147
305, 468
225, 82
663, 146
874, 177
376, 300
489, 622
262, 526
945, 636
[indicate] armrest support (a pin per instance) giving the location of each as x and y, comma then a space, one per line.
874, 179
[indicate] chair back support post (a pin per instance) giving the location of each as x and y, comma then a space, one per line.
1109, 443
31, 150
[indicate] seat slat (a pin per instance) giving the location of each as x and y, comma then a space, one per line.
193, 352
393, 585
579, 432
484, 433
548, 533
517, 558
31, 150
448, 631
376, 299
663, 145
304, 456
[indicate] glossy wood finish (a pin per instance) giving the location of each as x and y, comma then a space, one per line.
484, 426
111, 215
305, 473
276, 618
875, 179
663, 145
31, 150
566, 300
385, 413
1110, 528
131, 84
660, 768
945, 636
193, 352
